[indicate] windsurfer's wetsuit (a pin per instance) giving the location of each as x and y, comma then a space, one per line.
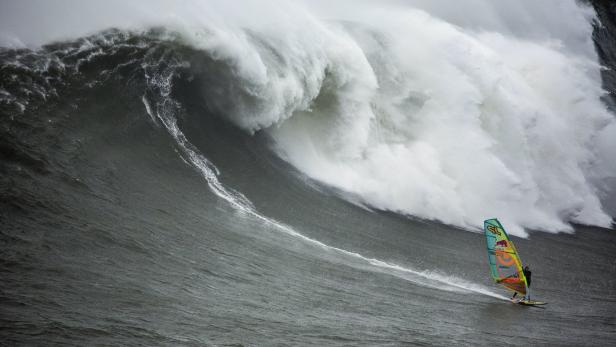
527, 274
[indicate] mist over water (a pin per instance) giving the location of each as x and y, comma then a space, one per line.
447, 113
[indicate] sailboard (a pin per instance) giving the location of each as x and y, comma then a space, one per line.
531, 303
504, 260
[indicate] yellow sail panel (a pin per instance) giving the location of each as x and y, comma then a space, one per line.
505, 263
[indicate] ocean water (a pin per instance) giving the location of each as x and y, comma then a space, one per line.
305, 173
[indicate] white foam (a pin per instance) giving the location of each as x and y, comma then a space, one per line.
437, 121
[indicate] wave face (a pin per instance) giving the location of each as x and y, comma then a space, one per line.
414, 115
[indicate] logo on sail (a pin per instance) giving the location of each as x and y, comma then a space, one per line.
493, 229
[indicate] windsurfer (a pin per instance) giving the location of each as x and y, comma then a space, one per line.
527, 274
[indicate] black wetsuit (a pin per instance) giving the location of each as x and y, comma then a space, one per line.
527, 274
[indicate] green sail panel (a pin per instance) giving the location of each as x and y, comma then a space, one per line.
505, 263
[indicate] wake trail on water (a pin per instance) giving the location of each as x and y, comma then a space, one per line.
162, 112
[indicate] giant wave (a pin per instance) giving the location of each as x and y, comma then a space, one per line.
420, 114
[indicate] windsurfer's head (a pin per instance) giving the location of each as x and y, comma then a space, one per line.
526, 267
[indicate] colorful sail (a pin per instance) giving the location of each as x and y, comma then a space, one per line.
504, 261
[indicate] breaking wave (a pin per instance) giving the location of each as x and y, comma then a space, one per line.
420, 114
